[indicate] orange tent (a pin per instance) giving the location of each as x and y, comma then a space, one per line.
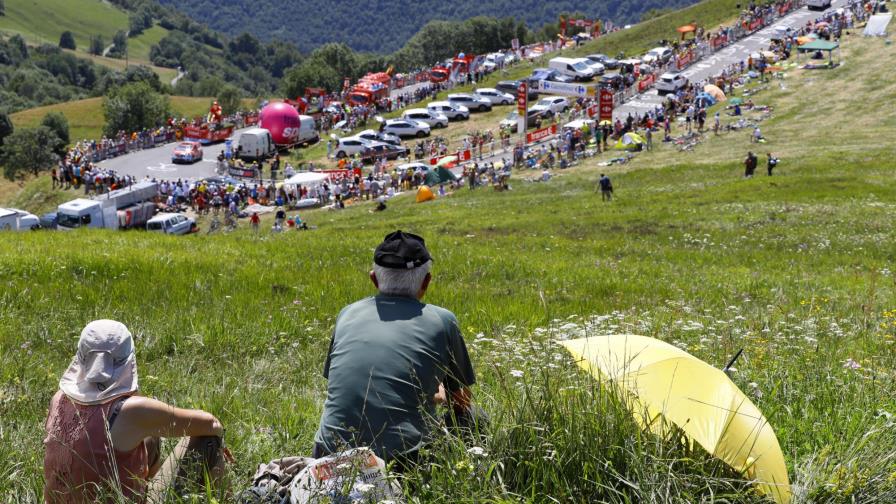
424, 193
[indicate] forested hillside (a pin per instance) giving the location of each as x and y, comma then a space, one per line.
383, 27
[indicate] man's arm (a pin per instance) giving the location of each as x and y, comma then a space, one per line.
142, 417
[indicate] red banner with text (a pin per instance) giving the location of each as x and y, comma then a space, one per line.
541, 134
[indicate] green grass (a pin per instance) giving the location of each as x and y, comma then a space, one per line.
44, 20
139, 46
796, 269
86, 116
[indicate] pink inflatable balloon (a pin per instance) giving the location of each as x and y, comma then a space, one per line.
282, 120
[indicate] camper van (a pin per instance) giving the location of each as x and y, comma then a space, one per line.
307, 130
572, 67
255, 144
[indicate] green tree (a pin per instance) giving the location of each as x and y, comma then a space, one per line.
313, 73
133, 107
58, 124
67, 41
139, 21
28, 151
2, 8
119, 45
229, 99
97, 45
6, 127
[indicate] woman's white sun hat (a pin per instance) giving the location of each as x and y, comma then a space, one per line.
105, 366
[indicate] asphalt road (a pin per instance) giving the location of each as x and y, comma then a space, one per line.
156, 163
714, 64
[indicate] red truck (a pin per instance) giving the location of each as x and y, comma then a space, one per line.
459, 68
372, 88
208, 133
312, 104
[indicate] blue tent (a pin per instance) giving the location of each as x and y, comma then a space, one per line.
705, 100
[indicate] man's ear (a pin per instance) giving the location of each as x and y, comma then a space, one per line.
424, 285
374, 280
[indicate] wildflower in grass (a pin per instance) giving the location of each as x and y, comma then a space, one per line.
477, 451
365, 488
516, 373
851, 364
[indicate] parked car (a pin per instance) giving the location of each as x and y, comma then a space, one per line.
572, 67
657, 55
495, 97
611, 81
513, 87
49, 220
349, 146
548, 74
471, 101
818, 4
671, 82
171, 223
450, 110
608, 62
375, 136
187, 152
555, 104
405, 128
512, 121
433, 119
379, 150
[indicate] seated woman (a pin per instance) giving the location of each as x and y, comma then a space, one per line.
102, 438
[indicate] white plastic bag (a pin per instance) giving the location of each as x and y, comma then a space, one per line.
353, 476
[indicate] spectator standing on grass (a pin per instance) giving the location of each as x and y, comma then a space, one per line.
772, 162
392, 360
716, 123
254, 220
750, 165
648, 136
606, 188
102, 437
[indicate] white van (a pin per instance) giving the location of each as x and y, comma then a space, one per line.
573, 67
13, 219
255, 144
307, 130
818, 4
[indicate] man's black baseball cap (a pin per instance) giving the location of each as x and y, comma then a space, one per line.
401, 250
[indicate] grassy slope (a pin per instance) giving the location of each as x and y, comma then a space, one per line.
86, 116
796, 269
43, 22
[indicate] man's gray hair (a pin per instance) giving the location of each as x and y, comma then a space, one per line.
401, 282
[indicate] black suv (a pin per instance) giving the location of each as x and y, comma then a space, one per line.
513, 87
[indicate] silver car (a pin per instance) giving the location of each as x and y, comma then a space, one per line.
171, 223
471, 101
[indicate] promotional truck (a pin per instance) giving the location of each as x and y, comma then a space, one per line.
130, 207
370, 89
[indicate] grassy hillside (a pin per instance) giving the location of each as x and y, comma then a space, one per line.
795, 269
86, 116
43, 21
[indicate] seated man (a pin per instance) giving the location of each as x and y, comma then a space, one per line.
392, 359
103, 439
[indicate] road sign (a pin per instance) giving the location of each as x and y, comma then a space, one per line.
522, 105
562, 88
606, 105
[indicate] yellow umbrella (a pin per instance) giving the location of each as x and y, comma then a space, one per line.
661, 380
715, 92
